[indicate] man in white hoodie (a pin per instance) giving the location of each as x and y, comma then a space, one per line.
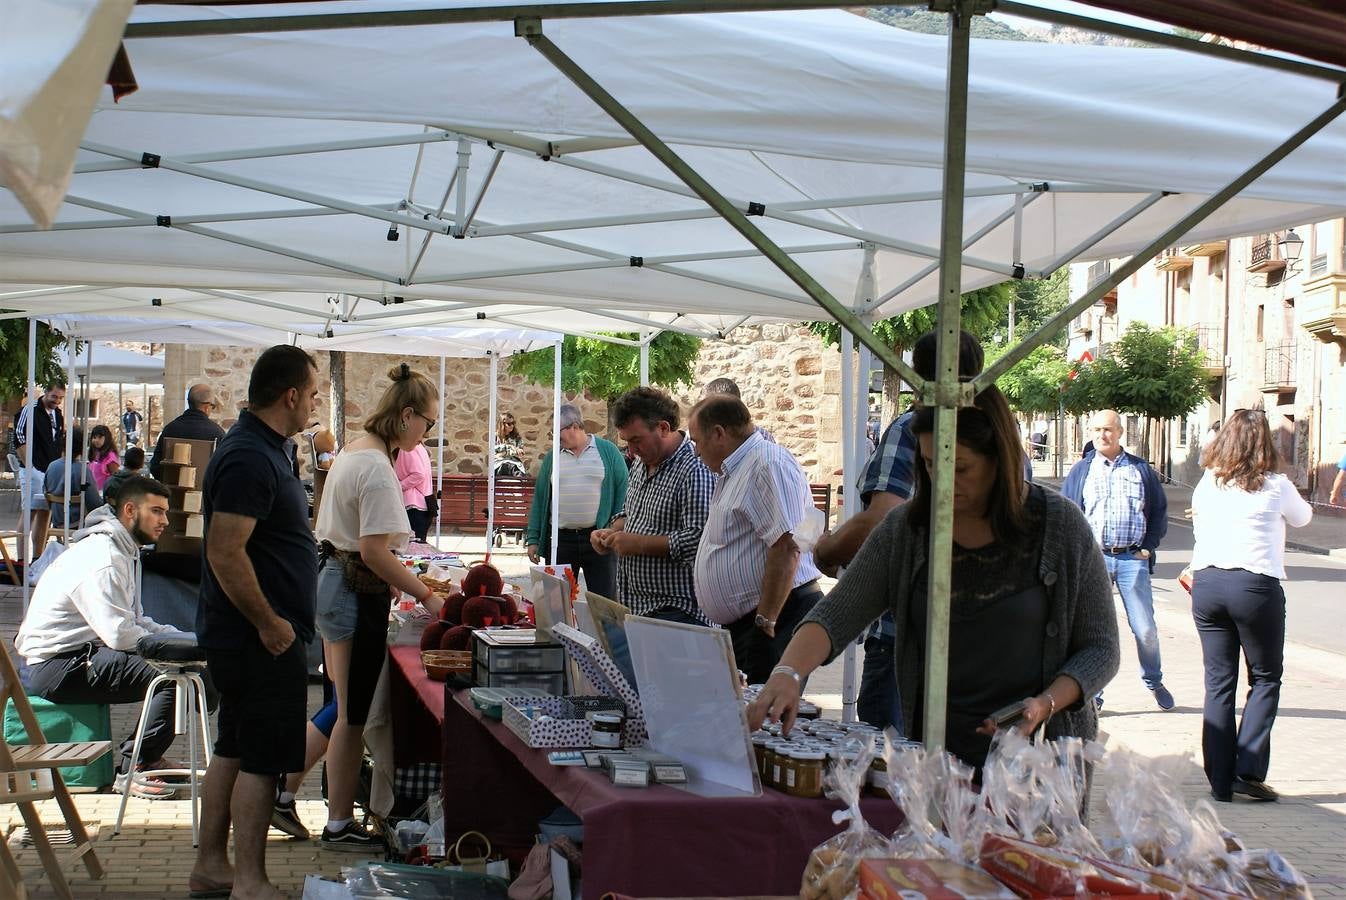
79, 636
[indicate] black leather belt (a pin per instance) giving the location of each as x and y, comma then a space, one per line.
575, 530
1116, 551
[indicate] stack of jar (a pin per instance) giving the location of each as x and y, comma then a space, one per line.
795, 763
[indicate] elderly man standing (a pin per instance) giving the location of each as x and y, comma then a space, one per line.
1128, 512
593, 483
194, 424
750, 575
656, 534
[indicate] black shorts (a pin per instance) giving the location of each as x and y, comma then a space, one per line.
263, 706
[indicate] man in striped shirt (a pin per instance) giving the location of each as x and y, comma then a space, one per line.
751, 577
655, 536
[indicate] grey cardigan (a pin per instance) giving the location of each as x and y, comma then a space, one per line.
1081, 633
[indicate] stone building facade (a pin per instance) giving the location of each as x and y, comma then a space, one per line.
789, 381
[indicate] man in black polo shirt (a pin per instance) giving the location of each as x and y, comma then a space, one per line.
255, 616
48, 445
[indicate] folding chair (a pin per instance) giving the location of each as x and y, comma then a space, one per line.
57, 529
28, 773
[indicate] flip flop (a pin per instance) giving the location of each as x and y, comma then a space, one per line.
203, 888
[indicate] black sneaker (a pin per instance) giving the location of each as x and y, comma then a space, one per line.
1255, 790
284, 819
352, 838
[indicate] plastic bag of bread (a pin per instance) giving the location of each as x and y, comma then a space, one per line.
1145, 798
831, 870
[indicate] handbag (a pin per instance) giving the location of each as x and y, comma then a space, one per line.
459, 861
432, 506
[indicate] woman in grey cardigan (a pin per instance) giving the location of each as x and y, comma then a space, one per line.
1032, 613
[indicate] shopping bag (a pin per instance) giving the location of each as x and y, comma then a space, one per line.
461, 856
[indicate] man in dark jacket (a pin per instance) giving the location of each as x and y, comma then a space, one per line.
48, 445
194, 424
1128, 513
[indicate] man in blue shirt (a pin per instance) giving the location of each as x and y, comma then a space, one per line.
1128, 512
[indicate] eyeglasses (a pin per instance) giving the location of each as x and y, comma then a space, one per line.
429, 422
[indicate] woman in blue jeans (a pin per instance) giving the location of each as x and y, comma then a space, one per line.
1240, 510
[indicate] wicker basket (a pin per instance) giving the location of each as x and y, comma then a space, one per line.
440, 664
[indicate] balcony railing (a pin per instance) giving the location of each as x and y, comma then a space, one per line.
1099, 270
1266, 255
1210, 341
1318, 265
1278, 365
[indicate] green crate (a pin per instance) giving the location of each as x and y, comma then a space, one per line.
63, 723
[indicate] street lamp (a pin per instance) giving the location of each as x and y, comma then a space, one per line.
1291, 245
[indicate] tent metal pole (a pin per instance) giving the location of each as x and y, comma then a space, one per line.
947, 397
30, 468
683, 215
44, 292
531, 30
266, 187
69, 449
1168, 39
258, 301
623, 342
1080, 248
392, 140
439, 214
151, 221
491, 437
439, 453
465, 222
244, 242
556, 453
970, 240
311, 22
1167, 239
848, 469
644, 363
443, 306
460, 202
739, 205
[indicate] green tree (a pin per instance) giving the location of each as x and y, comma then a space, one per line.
983, 310
14, 356
1152, 372
608, 370
1035, 302
1036, 383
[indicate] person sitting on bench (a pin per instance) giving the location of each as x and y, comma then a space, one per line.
80, 633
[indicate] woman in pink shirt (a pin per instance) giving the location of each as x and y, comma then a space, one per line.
413, 473
102, 456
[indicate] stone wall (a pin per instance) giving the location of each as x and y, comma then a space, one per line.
788, 381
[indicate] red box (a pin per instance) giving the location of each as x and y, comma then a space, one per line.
1032, 870
936, 879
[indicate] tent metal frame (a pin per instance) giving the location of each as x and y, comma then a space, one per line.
945, 393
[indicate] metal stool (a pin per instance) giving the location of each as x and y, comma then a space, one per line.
179, 662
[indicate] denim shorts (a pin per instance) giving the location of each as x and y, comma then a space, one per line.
337, 604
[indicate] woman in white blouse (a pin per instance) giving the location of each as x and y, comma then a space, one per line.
361, 523
1240, 510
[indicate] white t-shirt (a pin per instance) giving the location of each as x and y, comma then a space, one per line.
362, 497
1238, 529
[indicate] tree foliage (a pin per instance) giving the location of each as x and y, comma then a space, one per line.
609, 370
1034, 385
1035, 302
1150, 372
14, 356
983, 309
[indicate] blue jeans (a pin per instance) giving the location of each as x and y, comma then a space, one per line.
879, 702
1131, 574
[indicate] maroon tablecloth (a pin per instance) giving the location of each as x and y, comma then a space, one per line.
643, 842
416, 706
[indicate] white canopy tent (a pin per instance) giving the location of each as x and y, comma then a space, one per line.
113, 365
275, 165
811, 155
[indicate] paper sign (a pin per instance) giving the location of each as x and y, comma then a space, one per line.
551, 602
689, 694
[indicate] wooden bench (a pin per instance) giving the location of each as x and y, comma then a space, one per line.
822, 498
463, 505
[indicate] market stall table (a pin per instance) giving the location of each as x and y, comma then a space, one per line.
643, 842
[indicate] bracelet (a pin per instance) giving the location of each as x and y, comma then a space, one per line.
1052, 700
786, 670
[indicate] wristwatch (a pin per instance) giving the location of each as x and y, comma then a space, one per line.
763, 622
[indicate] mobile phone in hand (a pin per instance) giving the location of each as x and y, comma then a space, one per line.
1008, 715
